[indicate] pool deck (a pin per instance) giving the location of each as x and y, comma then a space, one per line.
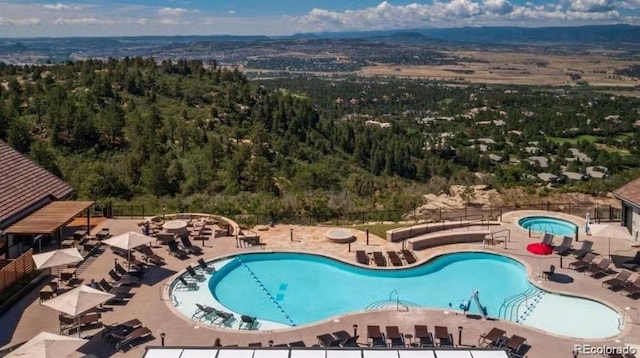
29, 317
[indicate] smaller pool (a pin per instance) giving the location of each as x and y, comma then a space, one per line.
548, 224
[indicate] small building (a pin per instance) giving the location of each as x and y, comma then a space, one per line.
629, 196
31, 202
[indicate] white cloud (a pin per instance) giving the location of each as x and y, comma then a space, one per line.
20, 22
61, 6
592, 5
499, 7
174, 11
80, 21
231, 12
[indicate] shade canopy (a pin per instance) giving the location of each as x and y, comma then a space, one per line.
45, 345
129, 240
57, 258
540, 248
79, 300
49, 218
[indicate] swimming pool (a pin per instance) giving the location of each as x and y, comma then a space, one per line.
548, 224
290, 289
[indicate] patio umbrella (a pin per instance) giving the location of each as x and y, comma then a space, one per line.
540, 248
79, 300
57, 258
45, 345
128, 241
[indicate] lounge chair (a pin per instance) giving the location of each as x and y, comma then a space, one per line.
394, 258
565, 246
585, 249
583, 263
634, 263
202, 266
602, 268
342, 336
619, 280
327, 340
362, 257
425, 338
632, 289
189, 247
514, 343
247, 322
202, 311
409, 256
196, 276
256, 344
131, 338
492, 338
297, 344
351, 342
123, 272
134, 262
379, 258
377, 338
124, 280
124, 290
127, 326
192, 286
223, 316
151, 256
174, 250
548, 239
393, 334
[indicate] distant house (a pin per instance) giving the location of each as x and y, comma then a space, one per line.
532, 150
573, 175
540, 161
597, 172
548, 177
495, 158
25, 190
629, 196
579, 156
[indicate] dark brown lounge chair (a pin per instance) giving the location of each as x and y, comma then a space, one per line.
514, 343
204, 267
124, 280
379, 259
297, 344
132, 273
565, 246
634, 263
113, 290
423, 335
585, 249
393, 334
409, 256
131, 338
327, 340
602, 268
196, 276
174, 250
378, 339
632, 289
618, 281
151, 256
493, 338
189, 247
583, 263
362, 257
394, 258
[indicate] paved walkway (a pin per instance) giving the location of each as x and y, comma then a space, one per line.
28, 317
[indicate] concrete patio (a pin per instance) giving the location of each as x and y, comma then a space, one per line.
29, 317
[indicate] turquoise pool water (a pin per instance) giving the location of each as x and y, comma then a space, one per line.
297, 289
549, 225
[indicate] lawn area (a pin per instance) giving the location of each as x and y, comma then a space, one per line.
586, 137
380, 229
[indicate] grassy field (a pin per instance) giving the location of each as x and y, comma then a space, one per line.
572, 141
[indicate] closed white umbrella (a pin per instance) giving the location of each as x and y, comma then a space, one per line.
79, 300
57, 258
45, 345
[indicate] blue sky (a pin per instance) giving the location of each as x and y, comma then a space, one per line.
27, 18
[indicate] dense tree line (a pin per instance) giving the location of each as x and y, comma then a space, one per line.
205, 138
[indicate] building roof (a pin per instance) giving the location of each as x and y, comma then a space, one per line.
23, 183
49, 218
286, 352
629, 192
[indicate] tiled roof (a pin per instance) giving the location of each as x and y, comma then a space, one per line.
629, 192
23, 183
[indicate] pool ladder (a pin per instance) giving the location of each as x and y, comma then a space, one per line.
264, 289
510, 308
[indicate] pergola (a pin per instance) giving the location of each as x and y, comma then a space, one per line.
49, 218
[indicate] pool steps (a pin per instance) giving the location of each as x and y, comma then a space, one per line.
512, 306
264, 289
